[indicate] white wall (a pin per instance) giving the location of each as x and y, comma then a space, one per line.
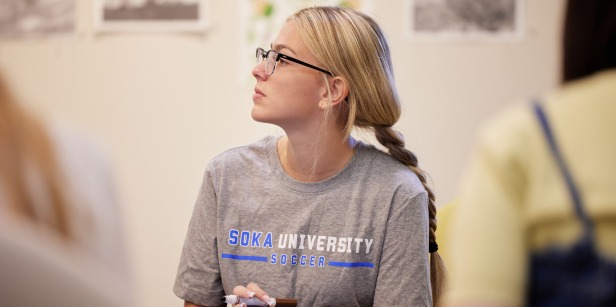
164, 105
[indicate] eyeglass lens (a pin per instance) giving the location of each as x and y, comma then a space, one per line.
270, 60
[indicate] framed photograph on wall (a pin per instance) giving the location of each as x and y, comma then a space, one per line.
463, 20
38, 19
151, 15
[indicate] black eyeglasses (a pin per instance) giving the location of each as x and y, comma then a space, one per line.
272, 57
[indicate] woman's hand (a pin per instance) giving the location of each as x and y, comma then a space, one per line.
253, 291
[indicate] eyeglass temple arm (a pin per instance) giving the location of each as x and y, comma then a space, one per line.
304, 63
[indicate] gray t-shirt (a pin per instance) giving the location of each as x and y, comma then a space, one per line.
359, 238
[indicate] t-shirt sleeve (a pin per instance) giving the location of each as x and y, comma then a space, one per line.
198, 277
404, 275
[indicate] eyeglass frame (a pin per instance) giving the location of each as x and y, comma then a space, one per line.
279, 55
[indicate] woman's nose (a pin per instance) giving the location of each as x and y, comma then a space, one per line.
258, 71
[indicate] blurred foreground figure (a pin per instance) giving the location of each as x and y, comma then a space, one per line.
536, 218
60, 234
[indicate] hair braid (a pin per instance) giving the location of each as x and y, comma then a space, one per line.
394, 142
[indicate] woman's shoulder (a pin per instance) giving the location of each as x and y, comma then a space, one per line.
380, 167
247, 153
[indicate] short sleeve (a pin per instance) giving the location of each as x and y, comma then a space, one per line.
404, 274
198, 277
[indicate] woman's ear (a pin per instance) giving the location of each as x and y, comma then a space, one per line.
338, 92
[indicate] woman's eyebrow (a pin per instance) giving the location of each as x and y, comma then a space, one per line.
279, 47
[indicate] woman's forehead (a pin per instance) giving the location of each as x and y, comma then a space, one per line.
288, 40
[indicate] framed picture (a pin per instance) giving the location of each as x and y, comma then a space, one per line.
21, 19
461, 20
151, 15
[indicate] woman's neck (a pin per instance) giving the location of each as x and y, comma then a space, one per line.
312, 160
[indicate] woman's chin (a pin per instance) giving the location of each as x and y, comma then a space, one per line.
258, 116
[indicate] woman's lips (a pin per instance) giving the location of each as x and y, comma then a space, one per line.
258, 94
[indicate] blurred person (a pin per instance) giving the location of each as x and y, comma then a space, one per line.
536, 218
315, 214
57, 194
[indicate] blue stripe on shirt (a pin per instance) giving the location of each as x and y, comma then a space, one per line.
240, 257
352, 264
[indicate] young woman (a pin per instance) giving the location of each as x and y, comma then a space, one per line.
315, 214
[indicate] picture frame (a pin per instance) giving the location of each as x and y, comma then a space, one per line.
37, 19
464, 20
151, 15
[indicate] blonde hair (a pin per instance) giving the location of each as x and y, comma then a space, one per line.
352, 46
25, 146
